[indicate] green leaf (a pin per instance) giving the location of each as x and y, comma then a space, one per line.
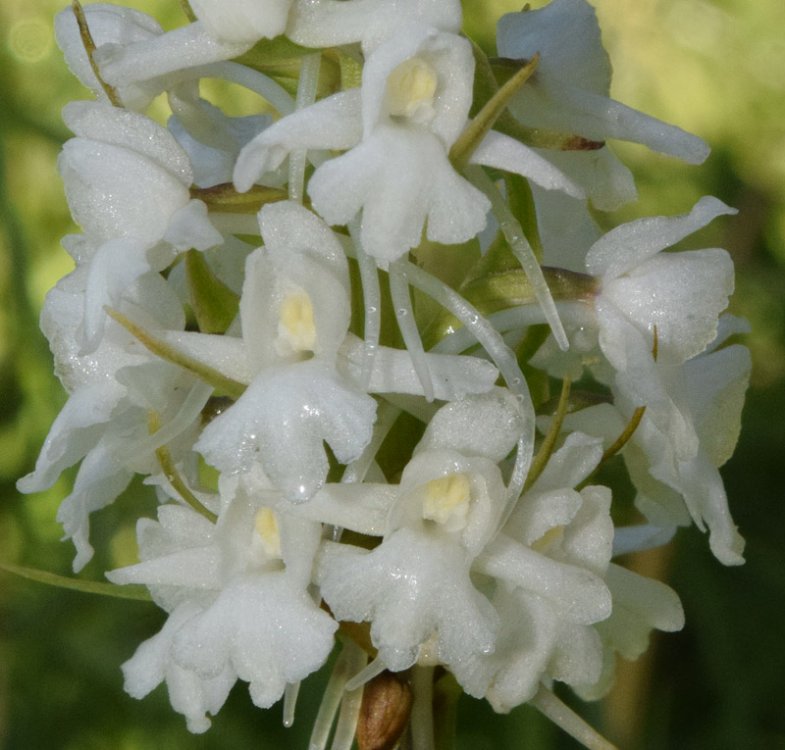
214, 304
138, 593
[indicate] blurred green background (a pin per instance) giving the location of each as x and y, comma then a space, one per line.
715, 67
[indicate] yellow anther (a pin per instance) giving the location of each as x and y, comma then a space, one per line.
296, 325
266, 525
447, 501
411, 88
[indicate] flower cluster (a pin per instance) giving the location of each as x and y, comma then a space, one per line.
371, 347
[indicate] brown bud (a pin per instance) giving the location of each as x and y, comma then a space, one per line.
385, 711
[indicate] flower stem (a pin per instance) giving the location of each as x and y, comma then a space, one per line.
422, 709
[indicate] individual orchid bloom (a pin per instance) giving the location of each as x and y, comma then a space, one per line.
650, 289
569, 90
656, 312
137, 61
550, 561
239, 587
327, 23
640, 293
303, 369
688, 430
416, 588
104, 423
708, 393
294, 314
127, 183
399, 127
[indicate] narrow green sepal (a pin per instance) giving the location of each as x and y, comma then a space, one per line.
137, 593
214, 304
484, 120
226, 199
219, 381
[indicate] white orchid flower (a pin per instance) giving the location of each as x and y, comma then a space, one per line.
416, 587
569, 90
104, 423
679, 294
127, 183
691, 423
550, 561
303, 368
399, 127
239, 586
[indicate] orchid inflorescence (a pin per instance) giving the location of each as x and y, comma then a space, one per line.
371, 347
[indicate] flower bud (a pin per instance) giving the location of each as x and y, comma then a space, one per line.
385, 711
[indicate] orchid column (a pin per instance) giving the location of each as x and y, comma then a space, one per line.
371, 348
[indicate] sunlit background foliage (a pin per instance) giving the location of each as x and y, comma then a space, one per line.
714, 67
